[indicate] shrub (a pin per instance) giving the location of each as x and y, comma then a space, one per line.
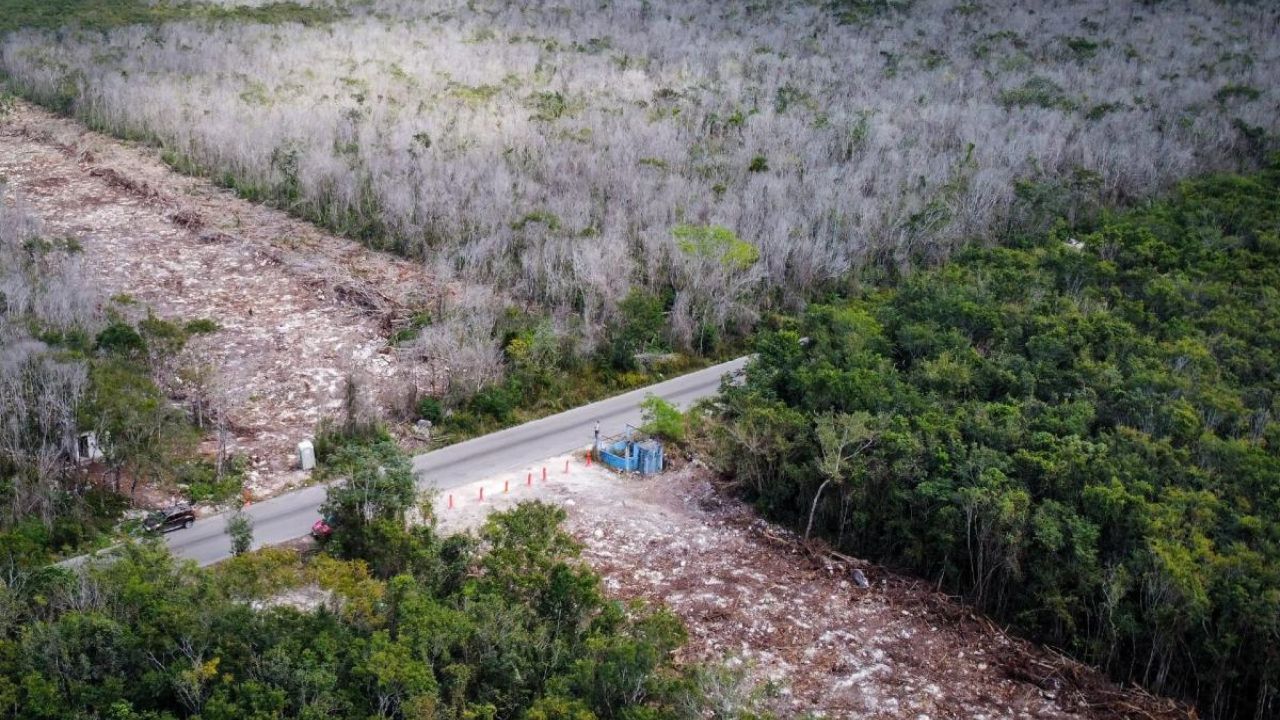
1234, 91
858, 12
1037, 91
260, 574
200, 478
475, 95
538, 216
549, 106
1101, 110
412, 329
716, 243
429, 408
640, 327
240, 530
497, 401
464, 423
1081, 48
119, 338
25, 544
662, 419
333, 438
202, 326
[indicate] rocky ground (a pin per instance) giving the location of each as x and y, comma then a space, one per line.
298, 308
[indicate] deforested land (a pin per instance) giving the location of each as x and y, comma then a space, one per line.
1007, 271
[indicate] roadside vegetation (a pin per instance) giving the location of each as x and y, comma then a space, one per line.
405, 623
70, 364
539, 373
1080, 434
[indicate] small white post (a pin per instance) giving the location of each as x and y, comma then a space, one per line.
306, 455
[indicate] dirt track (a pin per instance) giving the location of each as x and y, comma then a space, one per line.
298, 308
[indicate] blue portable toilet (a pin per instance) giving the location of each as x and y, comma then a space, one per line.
649, 457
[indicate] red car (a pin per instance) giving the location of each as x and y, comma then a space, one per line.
321, 529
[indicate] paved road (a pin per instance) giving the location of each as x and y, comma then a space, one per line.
290, 515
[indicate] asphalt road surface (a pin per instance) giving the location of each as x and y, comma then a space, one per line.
290, 516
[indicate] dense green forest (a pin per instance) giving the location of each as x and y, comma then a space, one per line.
411, 624
1079, 434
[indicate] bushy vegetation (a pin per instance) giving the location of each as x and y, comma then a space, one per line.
509, 624
201, 481
540, 371
1079, 434
240, 531
563, 156
101, 15
662, 419
68, 367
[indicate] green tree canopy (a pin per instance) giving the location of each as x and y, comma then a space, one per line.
1081, 435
